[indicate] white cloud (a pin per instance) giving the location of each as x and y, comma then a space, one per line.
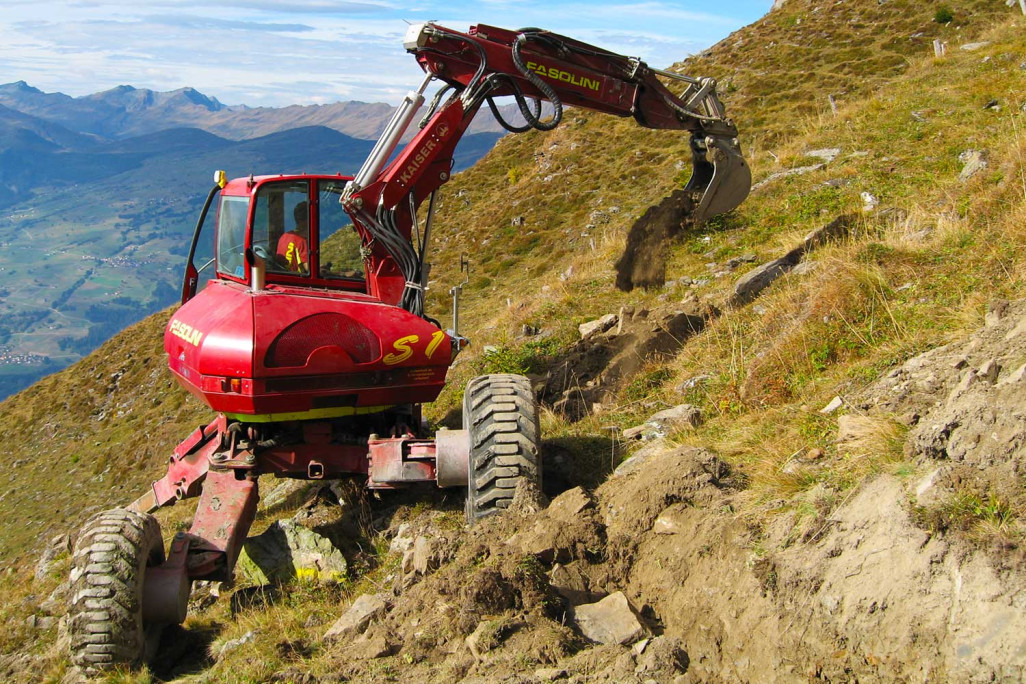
263, 52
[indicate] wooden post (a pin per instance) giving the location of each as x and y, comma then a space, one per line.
938, 48
833, 102
1022, 6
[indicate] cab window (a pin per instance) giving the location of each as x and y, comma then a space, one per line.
340, 255
281, 226
231, 235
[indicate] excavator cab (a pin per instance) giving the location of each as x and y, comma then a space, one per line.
285, 230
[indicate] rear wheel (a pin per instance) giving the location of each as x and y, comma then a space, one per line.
108, 570
501, 417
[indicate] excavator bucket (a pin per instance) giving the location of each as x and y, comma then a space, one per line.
721, 176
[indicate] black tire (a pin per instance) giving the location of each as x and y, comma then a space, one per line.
108, 568
501, 417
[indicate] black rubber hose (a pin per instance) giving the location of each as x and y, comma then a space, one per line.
542, 86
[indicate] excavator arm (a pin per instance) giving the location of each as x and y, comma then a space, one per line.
532, 66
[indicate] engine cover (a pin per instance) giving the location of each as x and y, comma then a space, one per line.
288, 353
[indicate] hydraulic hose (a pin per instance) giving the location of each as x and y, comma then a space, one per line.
542, 86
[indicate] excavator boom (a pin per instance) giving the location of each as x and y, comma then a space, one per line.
532, 66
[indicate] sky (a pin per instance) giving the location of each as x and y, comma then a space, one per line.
271, 53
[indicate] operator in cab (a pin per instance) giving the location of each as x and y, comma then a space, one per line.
294, 246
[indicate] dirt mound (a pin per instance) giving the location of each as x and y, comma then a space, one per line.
598, 365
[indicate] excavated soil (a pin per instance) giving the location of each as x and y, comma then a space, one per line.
592, 371
643, 262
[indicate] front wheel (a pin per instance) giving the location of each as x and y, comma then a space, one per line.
501, 418
108, 570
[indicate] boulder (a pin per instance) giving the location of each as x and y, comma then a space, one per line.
749, 286
609, 621
287, 551
354, 621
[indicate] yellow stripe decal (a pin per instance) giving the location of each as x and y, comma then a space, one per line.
335, 412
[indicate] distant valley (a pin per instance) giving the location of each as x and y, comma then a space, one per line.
99, 196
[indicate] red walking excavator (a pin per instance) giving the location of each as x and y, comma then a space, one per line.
310, 339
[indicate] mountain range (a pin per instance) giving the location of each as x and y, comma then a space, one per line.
99, 195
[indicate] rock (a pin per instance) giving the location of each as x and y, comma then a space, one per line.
996, 310
233, 644
549, 674
424, 560
800, 171
750, 285
642, 455
355, 620
41, 622
570, 503
289, 493
598, 326
369, 646
814, 454
989, 371
666, 523
694, 382
853, 428
680, 416
927, 493
869, 201
610, 621
834, 404
972, 47
973, 162
637, 432
827, 154
59, 545
759, 278
402, 540
287, 551
736, 262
